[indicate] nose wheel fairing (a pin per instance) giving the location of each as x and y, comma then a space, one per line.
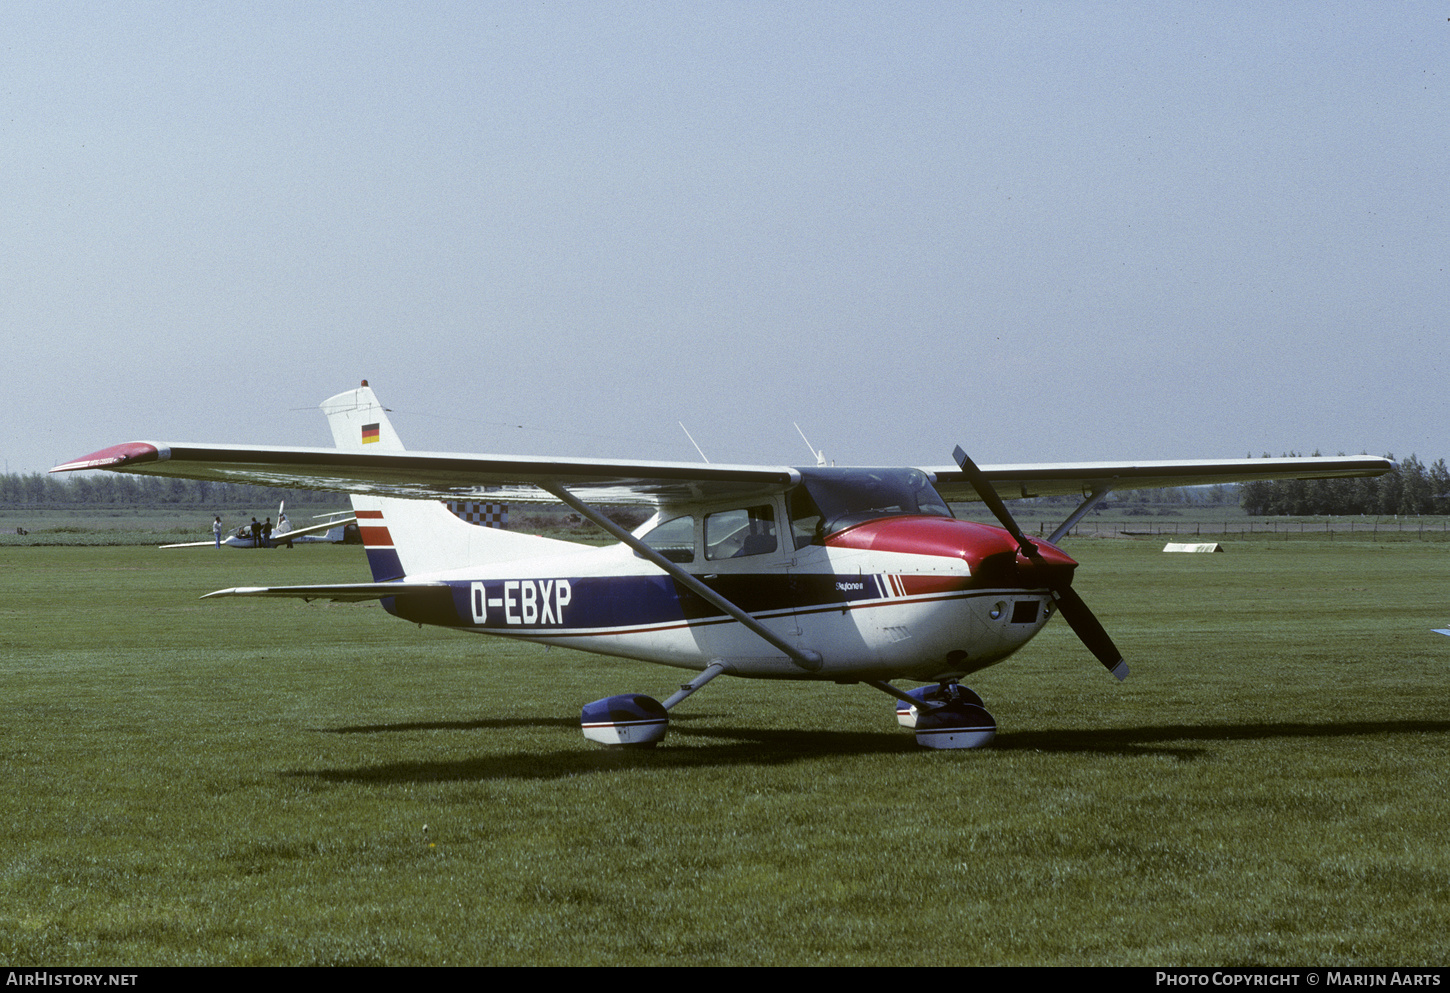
946, 715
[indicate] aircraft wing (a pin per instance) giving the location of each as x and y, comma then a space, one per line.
1015, 482
441, 475
452, 476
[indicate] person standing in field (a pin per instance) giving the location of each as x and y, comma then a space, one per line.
216, 531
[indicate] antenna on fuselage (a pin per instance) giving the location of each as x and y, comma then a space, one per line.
692, 439
820, 456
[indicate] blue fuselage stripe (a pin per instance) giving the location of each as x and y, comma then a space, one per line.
601, 605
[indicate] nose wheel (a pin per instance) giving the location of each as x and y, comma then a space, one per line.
947, 715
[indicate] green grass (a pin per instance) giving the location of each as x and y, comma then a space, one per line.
248, 782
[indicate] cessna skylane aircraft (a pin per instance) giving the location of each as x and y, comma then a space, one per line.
854, 575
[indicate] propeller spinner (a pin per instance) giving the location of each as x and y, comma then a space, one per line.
1079, 617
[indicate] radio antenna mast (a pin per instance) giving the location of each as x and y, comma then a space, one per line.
692, 439
820, 456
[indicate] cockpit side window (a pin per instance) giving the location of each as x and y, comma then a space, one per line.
739, 533
674, 539
805, 518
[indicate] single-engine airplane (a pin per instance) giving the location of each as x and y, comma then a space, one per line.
854, 575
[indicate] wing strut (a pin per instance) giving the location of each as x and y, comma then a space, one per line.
1099, 493
808, 660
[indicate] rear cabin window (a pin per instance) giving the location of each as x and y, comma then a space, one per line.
674, 539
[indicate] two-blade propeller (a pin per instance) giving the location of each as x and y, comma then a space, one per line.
1081, 619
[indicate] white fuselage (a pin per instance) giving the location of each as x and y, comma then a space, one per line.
869, 614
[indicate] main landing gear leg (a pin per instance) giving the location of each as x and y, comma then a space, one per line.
948, 715
711, 671
636, 719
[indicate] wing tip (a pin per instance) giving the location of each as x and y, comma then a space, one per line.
234, 591
117, 457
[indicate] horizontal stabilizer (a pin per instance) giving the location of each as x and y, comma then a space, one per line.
338, 592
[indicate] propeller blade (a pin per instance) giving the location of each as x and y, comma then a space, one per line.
994, 503
1077, 614
1087, 627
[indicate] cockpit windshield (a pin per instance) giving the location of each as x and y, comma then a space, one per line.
830, 499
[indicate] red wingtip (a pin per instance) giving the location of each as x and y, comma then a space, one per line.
114, 457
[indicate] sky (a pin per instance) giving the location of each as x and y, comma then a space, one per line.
1043, 231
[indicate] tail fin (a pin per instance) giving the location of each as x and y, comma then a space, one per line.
413, 537
359, 422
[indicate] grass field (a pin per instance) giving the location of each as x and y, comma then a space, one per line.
249, 782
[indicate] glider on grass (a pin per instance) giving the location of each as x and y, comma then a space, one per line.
332, 531
853, 575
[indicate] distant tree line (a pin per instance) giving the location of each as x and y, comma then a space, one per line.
112, 489
1214, 495
1408, 490
1141, 501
